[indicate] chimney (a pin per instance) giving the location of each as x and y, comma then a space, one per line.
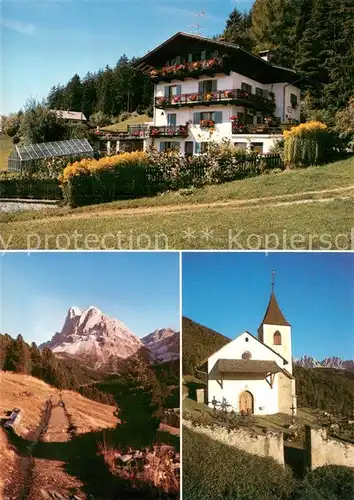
266, 55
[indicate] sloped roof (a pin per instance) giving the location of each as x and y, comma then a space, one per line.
252, 65
274, 315
247, 366
69, 115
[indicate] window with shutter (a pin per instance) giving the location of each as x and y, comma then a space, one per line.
178, 89
196, 118
203, 55
259, 92
178, 60
217, 116
197, 148
265, 94
190, 57
172, 119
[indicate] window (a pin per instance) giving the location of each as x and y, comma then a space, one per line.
172, 90
293, 100
259, 118
169, 146
172, 119
207, 115
246, 87
216, 116
246, 355
265, 94
204, 147
188, 148
190, 57
243, 146
207, 86
259, 92
203, 55
277, 338
178, 60
257, 147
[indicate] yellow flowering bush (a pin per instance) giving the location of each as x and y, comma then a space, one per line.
307, 144
89, 166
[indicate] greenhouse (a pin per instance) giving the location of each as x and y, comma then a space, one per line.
25, 155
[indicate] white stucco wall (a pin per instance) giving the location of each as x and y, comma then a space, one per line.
266, 400
269, 445
324, 450
285, 349
283, 104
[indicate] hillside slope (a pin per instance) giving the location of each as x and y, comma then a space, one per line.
199, 342
30, 395
327, 389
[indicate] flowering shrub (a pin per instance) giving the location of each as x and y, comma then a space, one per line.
145, 173
307, 144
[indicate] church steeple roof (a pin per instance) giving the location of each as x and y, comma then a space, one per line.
274, 315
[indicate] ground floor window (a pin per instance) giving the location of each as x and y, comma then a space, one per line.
257, 147
241, 145
169, 146
188, 148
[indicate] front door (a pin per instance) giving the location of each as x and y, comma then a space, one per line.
246, 402
188, 148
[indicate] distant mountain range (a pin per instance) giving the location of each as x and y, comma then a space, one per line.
333, 362
104, 342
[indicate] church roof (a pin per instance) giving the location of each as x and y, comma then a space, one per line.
274, 315
250, 366
247, 366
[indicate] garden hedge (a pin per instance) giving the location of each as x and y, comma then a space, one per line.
17, 186
130, 175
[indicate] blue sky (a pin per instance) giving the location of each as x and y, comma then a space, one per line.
229, 292
47, 42
140, 289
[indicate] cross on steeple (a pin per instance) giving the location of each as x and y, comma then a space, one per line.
273, 280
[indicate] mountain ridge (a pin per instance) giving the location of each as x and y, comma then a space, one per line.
102, 341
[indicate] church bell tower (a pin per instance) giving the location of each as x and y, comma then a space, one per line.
275, 330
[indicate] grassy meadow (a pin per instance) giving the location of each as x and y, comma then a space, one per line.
299, 209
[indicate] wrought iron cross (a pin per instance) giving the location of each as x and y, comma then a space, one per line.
293, 408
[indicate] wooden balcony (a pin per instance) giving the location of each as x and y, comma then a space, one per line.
235, 96
238, 128
133, 132
169, 131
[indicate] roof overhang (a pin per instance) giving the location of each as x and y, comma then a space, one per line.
238, 58
247, 366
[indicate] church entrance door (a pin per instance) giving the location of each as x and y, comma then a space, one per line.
246, 402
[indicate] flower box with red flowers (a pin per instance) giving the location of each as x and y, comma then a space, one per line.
207, 123
177, 98
155, 132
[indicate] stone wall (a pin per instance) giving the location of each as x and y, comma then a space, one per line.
265, 445
324, 450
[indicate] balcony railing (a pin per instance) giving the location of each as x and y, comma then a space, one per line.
235, 96
169, 131
133, 132
238, 128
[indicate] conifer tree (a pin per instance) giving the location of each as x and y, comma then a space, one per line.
237, 29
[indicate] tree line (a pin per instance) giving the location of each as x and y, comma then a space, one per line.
314, 37
111, 92
19, 357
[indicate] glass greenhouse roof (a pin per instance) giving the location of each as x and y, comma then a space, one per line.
51, 149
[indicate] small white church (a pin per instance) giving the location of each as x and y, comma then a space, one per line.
254, 374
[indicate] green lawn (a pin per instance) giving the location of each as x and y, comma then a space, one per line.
6, 147
209, 217
122, 126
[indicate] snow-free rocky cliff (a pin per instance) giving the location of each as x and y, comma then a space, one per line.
104, 341
333, 362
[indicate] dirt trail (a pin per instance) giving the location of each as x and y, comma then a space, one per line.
45, 478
